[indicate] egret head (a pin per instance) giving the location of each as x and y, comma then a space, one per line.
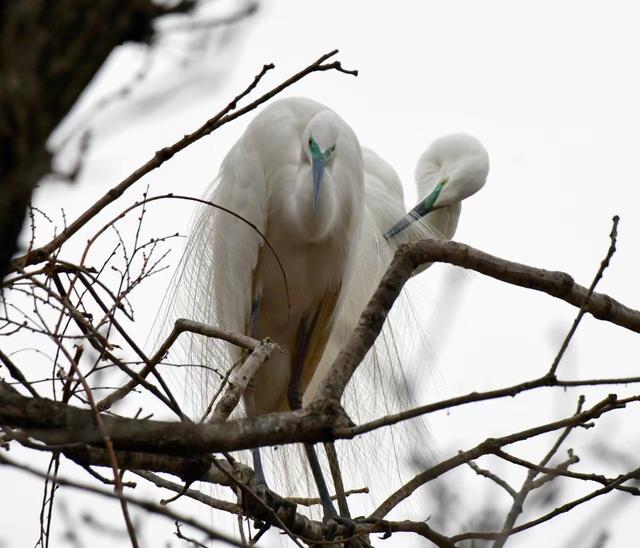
319, 145
453, 168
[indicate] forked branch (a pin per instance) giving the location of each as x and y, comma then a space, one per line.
410, 256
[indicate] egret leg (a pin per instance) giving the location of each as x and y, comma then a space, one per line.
262, 489
250, 408
250, 399
294, 397
327, 506
329, 511
295, 402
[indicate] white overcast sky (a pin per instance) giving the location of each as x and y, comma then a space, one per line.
550, 87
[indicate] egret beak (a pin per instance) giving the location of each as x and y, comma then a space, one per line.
425, 207
318, 172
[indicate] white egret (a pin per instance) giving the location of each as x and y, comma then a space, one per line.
453, 168
296, 174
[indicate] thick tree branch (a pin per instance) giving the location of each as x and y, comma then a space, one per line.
53, 422
56, 423
49, 53
408, 257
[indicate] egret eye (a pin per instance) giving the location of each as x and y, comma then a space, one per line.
332, 149
310, 142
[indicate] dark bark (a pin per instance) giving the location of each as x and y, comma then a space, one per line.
57, 423
49, 53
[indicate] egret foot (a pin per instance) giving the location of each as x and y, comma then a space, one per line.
347, 528
278, 510
273, 502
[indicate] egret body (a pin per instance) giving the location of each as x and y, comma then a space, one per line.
333, 219
296, 174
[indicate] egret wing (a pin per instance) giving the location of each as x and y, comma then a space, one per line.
214, 281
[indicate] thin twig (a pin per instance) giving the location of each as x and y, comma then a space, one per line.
558, 511
125, 335
107, 481
584, 307
15, 372
149, 506
118, 488
180, 326
490, 475
314, 501
179, 534
560, 467
98, 341
474, 397
598, 478
216, 504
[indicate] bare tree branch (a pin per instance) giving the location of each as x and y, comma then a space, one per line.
558, 511
191, 493
223, 117
180, 326
410, 256
144, 504
493, 477
583, 308
603, 480
239, 380
490, 445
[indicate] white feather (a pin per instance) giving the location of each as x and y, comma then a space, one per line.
226, 262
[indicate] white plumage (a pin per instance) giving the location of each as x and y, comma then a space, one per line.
330, 242
267, 179
462, 160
